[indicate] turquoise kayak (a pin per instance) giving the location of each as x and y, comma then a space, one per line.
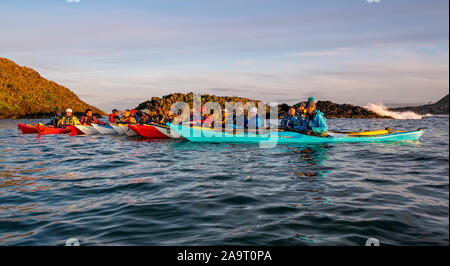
199, 134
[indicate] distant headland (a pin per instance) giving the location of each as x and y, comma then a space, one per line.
438, 108
25, 94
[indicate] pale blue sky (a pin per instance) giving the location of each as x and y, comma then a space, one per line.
120, 53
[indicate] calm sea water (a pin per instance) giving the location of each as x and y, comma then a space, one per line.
116, 190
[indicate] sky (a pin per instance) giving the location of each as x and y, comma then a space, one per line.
117, 54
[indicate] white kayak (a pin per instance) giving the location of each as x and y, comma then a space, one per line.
118, 129
124, 130
166, 131
88, 130
105, 129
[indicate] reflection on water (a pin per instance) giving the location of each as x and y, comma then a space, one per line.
117, 190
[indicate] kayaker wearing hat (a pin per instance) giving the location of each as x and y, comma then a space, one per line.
88, 119
254, 121
68, 119
289, 120
316, 120
114, 117
55, 119
301, 123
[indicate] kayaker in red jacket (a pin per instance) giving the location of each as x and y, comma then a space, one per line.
114, 117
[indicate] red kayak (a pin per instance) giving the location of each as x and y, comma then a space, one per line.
148, 131
46, 130
27, 129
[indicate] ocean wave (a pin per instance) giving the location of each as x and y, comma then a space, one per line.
383, 110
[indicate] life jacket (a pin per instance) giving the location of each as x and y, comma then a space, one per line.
128, 120
55, 120
317, 123
68, 120
207, 121
288, 121
114, 118
86, 120
301, 123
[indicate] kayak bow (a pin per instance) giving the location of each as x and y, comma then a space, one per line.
27, 129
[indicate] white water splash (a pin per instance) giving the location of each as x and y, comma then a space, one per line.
383, 110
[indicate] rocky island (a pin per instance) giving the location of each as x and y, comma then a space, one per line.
329, 108
25, 94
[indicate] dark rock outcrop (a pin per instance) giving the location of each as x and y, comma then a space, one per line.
334, 110
25, 94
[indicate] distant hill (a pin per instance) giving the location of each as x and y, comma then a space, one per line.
329, 108
25, 94
439, 107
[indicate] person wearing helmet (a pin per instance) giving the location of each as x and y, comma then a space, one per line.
114, 116
55, 119
68, 119
301, 123
316, 121
254, 121
88, 119
289, 120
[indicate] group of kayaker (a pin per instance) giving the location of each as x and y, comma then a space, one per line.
307, 118
60, 120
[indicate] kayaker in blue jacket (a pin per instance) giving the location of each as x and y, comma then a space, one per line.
289, 120
254, 121
316, 120
301, 123
55, 120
